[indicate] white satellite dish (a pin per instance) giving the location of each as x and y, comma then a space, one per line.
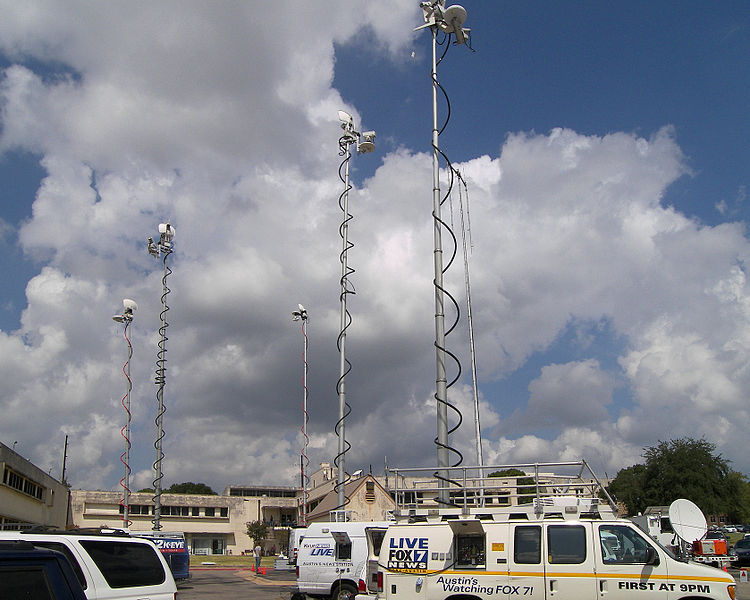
687, 520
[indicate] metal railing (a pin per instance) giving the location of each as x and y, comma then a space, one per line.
416, 490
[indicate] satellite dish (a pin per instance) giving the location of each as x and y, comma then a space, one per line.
687, 520
345, 117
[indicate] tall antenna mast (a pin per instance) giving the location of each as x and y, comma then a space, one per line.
301, 315
350, 137
470, 322
163, 249
129, 307
450, 20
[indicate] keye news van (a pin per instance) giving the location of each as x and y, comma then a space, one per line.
543, 540
173, 548
331, 560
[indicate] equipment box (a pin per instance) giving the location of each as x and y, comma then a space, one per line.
710, 547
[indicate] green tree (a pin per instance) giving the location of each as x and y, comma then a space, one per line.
681, 468
257, 530
525, 494
628, 487
687, 468
188, 487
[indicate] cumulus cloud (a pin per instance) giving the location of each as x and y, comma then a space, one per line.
227, 128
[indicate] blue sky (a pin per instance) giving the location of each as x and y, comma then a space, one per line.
606, 152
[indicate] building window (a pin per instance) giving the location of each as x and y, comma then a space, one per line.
224, 512
196, 511
22, 484
210, 511
370, 491
175, 511
138, 509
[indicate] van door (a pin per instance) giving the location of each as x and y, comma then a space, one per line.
526, 568
628, 563
569, 562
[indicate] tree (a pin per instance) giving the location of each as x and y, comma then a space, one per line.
188, 487
257, 530
525, 494
628, 488
681, 468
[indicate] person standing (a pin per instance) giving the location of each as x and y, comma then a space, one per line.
256, 553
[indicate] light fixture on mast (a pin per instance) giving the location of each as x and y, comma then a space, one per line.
301, 315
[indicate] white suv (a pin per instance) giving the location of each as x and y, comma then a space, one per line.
110, 566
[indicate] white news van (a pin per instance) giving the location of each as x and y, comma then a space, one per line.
545, 539
296, 534
331, 559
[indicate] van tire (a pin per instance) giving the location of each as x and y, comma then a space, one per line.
344, 591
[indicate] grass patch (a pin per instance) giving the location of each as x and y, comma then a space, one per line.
230, 560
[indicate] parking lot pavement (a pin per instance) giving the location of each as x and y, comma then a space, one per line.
219, 583
229, 583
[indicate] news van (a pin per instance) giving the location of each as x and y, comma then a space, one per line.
295, 537
331, 559
541, 537
173, 548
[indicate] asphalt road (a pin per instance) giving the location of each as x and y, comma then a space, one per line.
231, 584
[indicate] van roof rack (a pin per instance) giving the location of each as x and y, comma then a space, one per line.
517, 491
82, 531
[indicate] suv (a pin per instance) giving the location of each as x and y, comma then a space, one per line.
36, 573
109, 564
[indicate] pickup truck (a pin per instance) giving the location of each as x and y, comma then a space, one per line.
36, 573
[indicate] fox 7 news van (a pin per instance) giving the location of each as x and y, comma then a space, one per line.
544, 539
331, 558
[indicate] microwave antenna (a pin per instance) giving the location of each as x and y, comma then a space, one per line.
364, 144
163, 249
126, 318
449, 21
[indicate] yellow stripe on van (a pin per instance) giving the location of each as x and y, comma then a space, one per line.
568, 574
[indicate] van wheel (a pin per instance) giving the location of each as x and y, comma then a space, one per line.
345, 591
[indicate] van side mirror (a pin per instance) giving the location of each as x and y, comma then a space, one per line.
652, 558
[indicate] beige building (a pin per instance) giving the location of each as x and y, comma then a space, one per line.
217, 524
212, 524
28, 495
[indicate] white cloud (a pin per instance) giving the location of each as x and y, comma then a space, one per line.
226, 127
